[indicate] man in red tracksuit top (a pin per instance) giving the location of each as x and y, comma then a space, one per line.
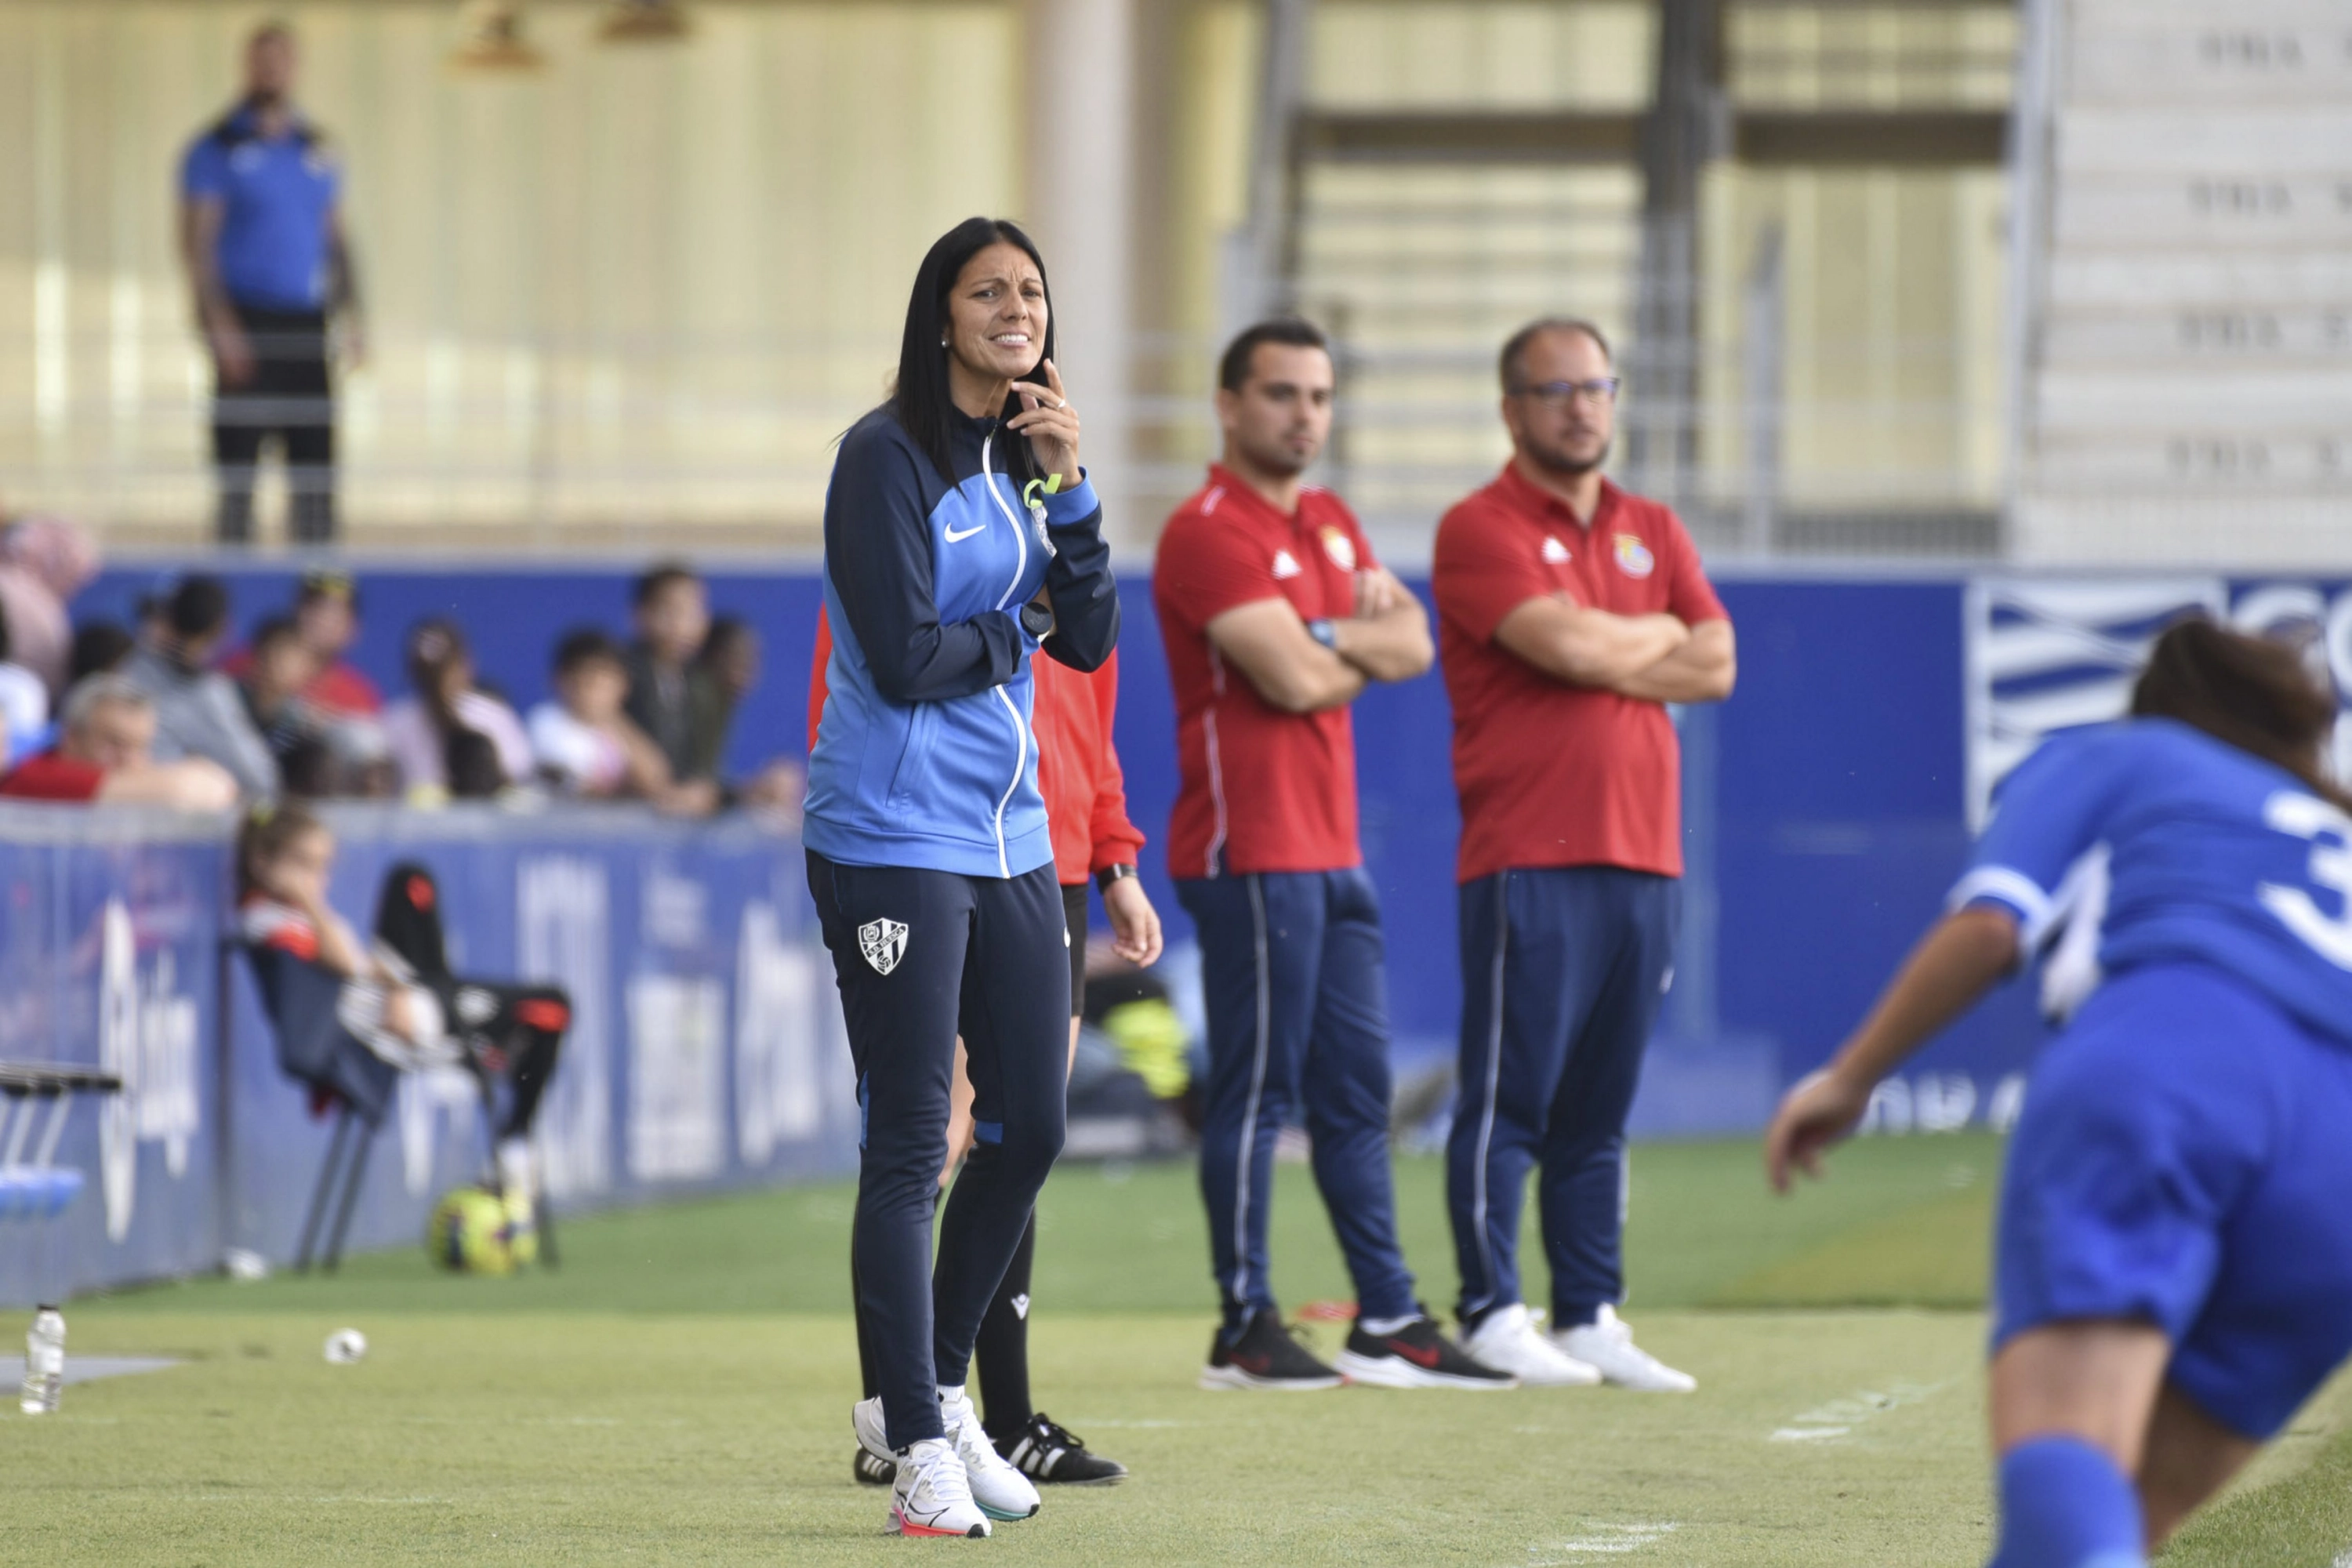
1275, 618
1085, 806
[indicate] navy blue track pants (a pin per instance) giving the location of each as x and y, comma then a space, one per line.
921, 956
1563, 971
1297, 1009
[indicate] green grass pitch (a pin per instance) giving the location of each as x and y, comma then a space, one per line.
680, 1393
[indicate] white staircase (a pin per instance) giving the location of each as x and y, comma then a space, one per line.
2184, 339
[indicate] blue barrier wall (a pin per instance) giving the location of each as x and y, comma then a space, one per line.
706, 1051
109, 945
1827, 796
1828, 805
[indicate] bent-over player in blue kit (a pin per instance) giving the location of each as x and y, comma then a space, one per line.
2173, 1275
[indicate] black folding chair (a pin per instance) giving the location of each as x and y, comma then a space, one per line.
316, 1051
354, 1176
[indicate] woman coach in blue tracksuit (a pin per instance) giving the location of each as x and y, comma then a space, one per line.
951, 507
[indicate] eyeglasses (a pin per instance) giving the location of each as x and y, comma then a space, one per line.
1553, 394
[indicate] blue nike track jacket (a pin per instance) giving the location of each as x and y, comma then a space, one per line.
924, 753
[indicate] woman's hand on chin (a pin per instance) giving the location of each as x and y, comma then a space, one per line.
1051, 425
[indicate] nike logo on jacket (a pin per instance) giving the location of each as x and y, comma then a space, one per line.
924, 754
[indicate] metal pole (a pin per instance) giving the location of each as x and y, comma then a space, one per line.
1261, 266
1763, 366
1080, 180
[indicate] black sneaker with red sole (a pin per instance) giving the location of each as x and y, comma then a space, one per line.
1266, 1356
1416, 1356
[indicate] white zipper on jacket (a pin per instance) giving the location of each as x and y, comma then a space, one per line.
1020, 731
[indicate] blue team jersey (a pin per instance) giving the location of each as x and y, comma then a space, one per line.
275, 197
2212, 855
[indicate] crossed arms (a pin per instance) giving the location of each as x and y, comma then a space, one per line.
1652, 657
1387, 639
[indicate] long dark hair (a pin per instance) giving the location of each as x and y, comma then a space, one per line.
434, 644
918, 399
469, 761
2252, 692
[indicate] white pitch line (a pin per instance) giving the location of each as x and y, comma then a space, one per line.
1601, 1541
1839, 1417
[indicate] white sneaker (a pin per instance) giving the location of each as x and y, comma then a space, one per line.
1507, 1340
865, 1420
1002, 1491
1607, 1343
931, 1495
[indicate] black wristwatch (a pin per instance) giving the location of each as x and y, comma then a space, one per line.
1036, 620
1109, 874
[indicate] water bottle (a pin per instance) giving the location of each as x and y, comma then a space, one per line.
45, 1361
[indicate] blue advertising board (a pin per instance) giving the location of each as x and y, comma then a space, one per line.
110, 933
1830, 804
706, 1050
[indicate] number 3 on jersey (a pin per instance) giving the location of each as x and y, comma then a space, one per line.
2330, 833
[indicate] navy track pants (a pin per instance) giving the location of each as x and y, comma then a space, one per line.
1563, 971
921, 956
1297, 1009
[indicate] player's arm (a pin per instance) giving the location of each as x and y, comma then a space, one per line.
343, 285
1581, 647
2050, 810
1962, 956
201, 216
1387, 636
1701, 670
1276, 653
190, 783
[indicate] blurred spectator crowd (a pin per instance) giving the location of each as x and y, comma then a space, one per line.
170, 712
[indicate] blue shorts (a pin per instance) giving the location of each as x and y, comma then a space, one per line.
2186, 1157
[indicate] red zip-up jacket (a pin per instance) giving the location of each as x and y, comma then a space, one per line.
1077, 766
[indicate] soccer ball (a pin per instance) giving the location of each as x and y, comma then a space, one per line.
346, 1347
470, 1234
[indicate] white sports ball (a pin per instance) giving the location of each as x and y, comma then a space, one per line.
345, 1346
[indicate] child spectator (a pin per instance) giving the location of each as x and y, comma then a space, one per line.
586, 745
420, 729
197, 710
325, 616
106, 758
673, 696
578, 737
398, 998
278, 668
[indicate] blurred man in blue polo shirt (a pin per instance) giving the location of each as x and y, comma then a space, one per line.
262, 233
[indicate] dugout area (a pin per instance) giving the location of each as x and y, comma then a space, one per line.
679, 1393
